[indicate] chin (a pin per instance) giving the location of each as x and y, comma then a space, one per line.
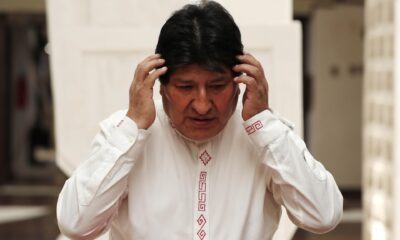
199, 137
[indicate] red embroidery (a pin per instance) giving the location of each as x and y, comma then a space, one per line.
250, 129
205, 157
202, 196
254, 127
202, 222
258, 125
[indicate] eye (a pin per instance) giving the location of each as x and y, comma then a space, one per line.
218, 86
184, 87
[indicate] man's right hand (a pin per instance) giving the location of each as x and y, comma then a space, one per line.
141, 104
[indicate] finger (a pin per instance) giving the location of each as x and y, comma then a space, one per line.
150, 64
249, 59
143, 69
151, 79
146, 60
249, 70
250, 82
153, 56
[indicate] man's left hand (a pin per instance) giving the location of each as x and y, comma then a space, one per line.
255, 98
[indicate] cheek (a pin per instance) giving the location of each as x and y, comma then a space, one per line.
226, 101
178, 102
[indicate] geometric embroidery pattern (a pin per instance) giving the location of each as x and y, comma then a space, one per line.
202, 195
201, 221
254, 127
205, 157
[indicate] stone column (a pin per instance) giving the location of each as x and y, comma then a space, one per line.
381, 123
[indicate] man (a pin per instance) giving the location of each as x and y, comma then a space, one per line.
194, 167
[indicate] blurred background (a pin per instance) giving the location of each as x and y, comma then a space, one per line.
348, 97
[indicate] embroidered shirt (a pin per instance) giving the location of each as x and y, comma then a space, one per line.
154, 184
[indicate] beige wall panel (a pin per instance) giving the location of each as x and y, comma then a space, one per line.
336, 62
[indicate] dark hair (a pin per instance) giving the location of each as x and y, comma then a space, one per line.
204, 34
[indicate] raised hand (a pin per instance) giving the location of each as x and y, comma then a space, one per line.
255, 98
141, 104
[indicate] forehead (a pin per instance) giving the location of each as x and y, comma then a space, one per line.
195, 72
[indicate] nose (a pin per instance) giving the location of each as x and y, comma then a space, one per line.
202, 103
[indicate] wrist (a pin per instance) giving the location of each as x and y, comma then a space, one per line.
139, 123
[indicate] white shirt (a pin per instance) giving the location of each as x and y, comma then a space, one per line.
155, 184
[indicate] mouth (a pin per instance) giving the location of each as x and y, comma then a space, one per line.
201, 122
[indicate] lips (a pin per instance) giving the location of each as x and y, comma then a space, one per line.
202, 122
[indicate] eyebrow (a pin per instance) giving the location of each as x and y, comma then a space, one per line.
217, 79
220, 79
180, 80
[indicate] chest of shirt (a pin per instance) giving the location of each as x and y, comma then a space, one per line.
198, 188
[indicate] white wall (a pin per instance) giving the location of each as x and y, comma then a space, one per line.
96, 45
260, 12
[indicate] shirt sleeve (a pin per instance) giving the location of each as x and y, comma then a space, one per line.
91, 196
297, 180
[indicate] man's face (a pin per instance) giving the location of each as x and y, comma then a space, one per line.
199, 102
